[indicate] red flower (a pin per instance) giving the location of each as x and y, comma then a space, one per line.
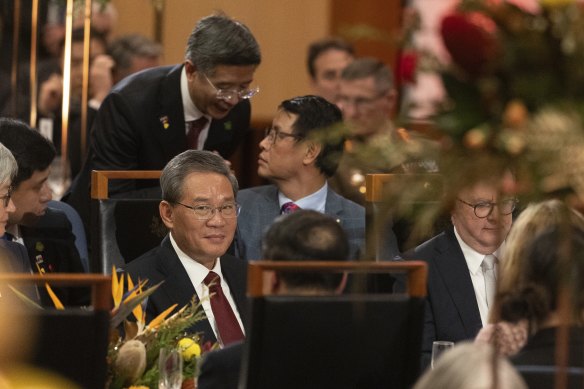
406, 68
471, 41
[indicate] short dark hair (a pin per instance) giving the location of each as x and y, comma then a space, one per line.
127, 47
307, 235
77, 35
176, 171
220, 40
320, 46
370, 67
32, 151
317, 119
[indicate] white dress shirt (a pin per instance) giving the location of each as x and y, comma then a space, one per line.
191, 111
197, 274
473, 261
315, 201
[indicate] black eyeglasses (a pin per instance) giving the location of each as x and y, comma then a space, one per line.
273, 134
206, 212
6, 198
484, 209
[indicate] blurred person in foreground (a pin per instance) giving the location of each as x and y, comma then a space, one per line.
470, 365
304, 235
325, 61
545, 261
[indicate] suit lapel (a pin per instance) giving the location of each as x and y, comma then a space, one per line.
333, 205
237, 284
452, 268
179, 288
171, 129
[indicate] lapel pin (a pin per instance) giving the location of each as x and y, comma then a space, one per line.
164, 121
227, 125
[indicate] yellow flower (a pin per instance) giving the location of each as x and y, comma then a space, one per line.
189, 348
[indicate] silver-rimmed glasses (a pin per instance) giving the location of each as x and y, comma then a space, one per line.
483, 209
230, 94
206, 211
272, 134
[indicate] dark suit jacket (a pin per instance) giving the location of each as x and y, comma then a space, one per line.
260, 206
452, 312
162, 264
129, 132
220, 368
51, 244
536, 360
13, 258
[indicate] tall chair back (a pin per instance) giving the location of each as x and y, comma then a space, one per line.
122, 228
333, 341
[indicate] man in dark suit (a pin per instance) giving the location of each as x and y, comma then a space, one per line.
298, 154
45, 232
150, 117
199, 209
302, 236
460, 279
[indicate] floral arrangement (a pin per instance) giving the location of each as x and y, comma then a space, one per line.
133, 356
514, 91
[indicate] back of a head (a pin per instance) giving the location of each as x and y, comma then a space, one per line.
315, 49
307, 236
32, 151
318, 119
126, 48
469, 365
220, 40
367, 67
8, 166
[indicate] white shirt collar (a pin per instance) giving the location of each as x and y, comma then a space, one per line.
474, 258
315, 201
190, 109
195, 270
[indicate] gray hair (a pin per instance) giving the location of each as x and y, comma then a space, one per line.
176, 171
130, 46
8, 166
370, 67
220, 40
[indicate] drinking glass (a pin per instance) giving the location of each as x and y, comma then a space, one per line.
438, 348
170, 365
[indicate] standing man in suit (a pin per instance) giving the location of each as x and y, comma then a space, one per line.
153, 115
45, 232
199, 209
462, 260
302, 236
298, 159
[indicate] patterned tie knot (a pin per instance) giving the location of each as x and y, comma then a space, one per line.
194, 130
289, 207
212, 280
489, 262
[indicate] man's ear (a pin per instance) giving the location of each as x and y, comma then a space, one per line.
166, 214
312, 152
190, 69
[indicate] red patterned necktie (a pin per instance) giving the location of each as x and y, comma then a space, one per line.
194, 128
227, 325
289, 207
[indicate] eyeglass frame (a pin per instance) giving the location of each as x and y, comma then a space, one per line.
245, 94
278, 134
6, 198
360, 103
213, 210
491, 206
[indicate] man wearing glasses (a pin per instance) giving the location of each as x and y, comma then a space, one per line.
151, 116
199, 210
464, 259
298, 153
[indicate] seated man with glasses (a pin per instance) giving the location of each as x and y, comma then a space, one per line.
199, 209
298, 153
153, 115
463, 260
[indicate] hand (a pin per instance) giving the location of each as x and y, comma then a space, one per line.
508, 338
50, 95
100, 77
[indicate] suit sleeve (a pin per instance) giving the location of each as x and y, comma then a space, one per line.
115, 141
